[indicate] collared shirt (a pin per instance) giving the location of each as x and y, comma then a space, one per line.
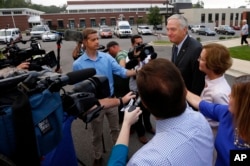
180, 45
183, 140
104, 65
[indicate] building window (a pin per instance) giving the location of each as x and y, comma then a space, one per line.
60, 24
49, 22
237, 16
103, 21
93, 22
210, 17
17, 12
82, 23
112, 21
108, 10
202, 18
231, 16
131, 21
71, 24
6, 12
216, 16
223, 17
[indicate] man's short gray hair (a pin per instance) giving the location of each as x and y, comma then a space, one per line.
183, 21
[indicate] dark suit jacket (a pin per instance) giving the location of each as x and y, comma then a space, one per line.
187, 62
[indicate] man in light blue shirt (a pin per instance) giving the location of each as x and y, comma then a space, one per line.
107, 66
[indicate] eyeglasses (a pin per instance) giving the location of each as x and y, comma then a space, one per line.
237, 142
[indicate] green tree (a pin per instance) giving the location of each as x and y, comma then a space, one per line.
199, 4
154, 16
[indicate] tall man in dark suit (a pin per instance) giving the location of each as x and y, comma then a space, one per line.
185, 53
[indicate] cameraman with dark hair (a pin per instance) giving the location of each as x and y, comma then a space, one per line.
144, 118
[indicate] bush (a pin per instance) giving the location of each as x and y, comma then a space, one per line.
198, 38
222, 38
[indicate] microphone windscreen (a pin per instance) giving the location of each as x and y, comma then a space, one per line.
80, 75
71, 35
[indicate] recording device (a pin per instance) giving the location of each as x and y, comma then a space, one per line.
35, 55
146, 52
133, 103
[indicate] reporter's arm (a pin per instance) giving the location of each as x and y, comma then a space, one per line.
193, 99
119, 152
113, 102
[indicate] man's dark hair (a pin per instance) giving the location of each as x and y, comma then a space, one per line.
112, 43
165, 96
135, 37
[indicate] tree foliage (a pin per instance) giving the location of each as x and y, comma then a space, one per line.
28, 4
154, 16
199, 4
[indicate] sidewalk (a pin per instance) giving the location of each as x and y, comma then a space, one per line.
239, 67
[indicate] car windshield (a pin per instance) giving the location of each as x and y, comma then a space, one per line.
124, 27
106, 30
38, 28
144, 27
5, 33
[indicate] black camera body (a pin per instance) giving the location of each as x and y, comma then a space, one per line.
145, 51
35, 55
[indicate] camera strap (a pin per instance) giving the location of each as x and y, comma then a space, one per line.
24, 132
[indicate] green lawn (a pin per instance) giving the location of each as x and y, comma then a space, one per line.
240, 52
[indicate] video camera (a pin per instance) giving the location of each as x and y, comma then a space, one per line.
35, 55
145, 51
88, 89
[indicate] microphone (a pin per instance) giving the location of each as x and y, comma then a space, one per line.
74, 77
70, 78
80, 75
71, 35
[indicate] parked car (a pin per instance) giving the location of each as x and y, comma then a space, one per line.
196, 28
38, 30
206, 32
50, 36
235, 27
106, 33
225, 29
157, 27
144, 30
9, 35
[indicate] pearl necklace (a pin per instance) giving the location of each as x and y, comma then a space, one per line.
237, 142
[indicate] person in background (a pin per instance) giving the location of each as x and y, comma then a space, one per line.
144, 123
186, 50
183, 136
121, 85
244, 32
233, 131
104, 65
78, 50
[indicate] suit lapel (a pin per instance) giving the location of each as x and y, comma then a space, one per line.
183, 50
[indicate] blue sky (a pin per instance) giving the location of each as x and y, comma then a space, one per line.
207, 3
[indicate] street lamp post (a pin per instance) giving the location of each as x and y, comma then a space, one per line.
137, 19
166, 16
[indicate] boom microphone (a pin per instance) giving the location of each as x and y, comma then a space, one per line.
80, 75
71, 35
